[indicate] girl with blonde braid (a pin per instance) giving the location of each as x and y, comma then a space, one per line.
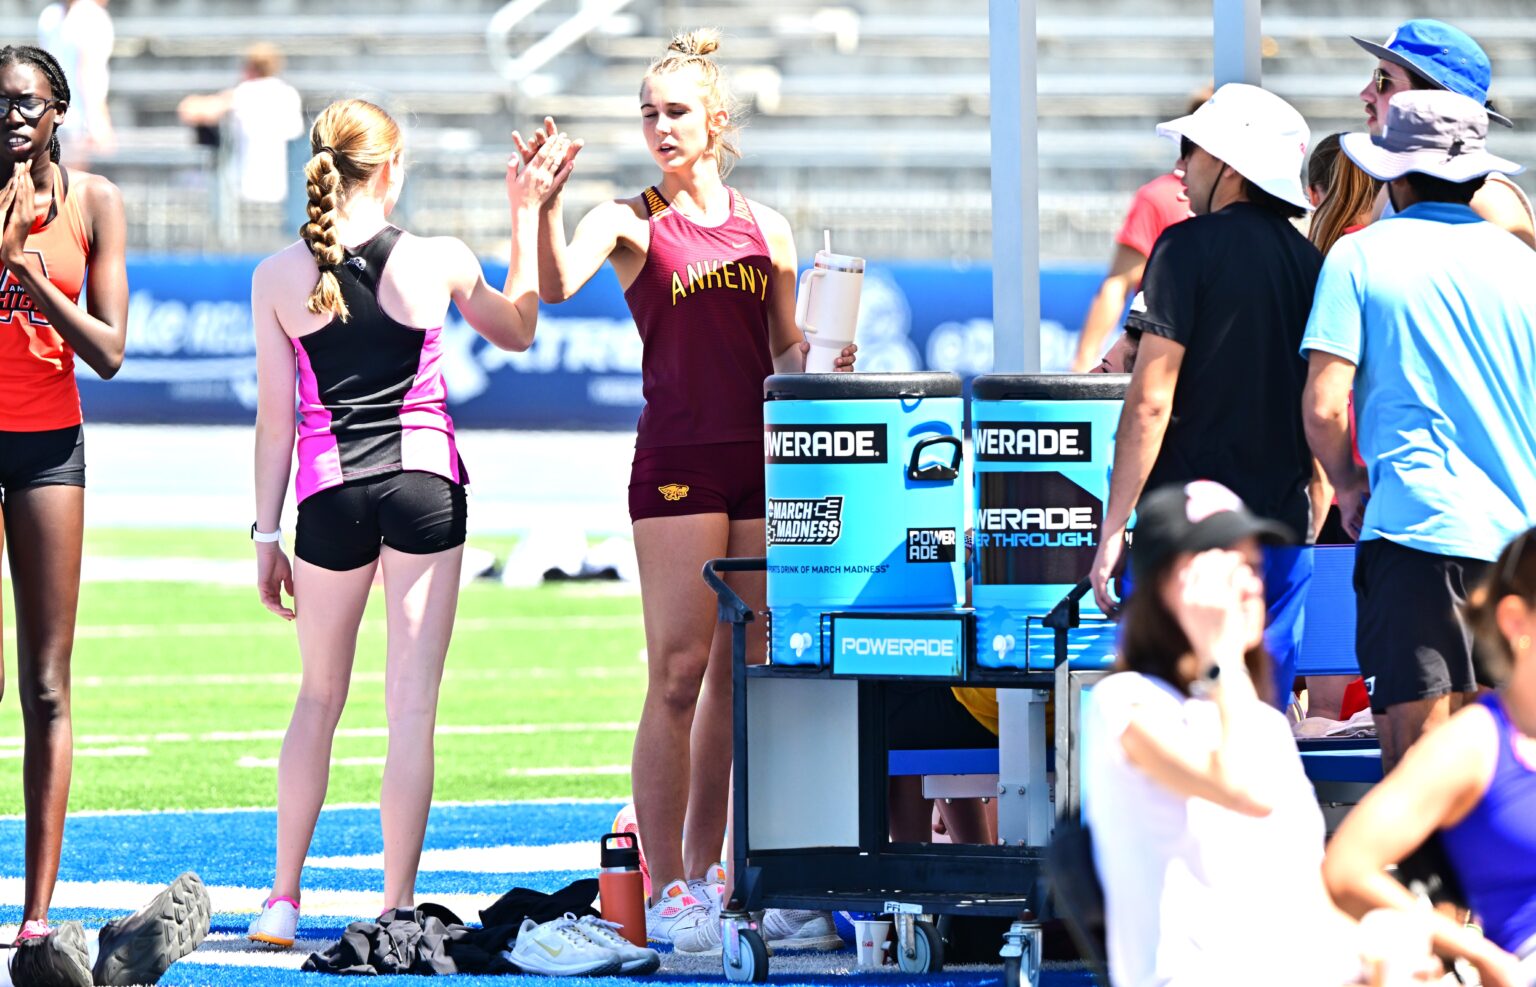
348, 322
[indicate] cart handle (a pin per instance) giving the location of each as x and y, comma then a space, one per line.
733, 609
1065, 615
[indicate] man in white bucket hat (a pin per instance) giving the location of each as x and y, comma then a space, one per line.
1428, 315
1216, 392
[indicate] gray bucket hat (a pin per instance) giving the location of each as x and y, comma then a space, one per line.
1431, 131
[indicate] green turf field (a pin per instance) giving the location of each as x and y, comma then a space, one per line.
164, 670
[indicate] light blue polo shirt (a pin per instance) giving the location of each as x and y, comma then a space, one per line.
1437, 309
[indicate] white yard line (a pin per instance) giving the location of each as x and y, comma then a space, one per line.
128, 896
349, 733
482, 860
281, 628
15, 752
211, 680
593, 770
338, 807
270, 764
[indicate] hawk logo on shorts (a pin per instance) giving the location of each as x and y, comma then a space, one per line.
674, 491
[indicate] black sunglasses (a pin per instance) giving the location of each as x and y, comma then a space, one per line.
1186, 147
30, 107
1382, 80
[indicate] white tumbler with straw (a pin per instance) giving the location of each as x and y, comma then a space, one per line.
827, 311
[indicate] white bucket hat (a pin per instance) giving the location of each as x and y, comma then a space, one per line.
1258, 134
1432, 131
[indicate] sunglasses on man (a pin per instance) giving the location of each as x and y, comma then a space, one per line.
1382, 80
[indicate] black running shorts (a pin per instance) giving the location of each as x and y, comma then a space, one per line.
1410, 638
417, 513
55, 458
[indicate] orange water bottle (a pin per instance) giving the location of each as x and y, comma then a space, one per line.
621, 886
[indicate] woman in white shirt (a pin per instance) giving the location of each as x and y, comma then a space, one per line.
1207, 836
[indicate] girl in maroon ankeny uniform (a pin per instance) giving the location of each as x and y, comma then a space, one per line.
710, 278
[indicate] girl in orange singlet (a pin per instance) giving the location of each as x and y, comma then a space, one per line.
63, 231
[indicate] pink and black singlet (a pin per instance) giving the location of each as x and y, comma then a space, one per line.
701, 305
371, 394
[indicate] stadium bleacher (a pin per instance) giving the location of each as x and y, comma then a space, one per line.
870, 116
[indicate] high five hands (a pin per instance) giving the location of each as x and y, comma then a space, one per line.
541, 163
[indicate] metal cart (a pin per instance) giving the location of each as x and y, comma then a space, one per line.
809, 813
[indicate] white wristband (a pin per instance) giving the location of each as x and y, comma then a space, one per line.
276, 534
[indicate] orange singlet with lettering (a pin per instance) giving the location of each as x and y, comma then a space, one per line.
37, 367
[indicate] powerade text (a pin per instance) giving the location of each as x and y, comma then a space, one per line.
1036, 527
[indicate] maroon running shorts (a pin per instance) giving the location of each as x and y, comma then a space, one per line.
719, 478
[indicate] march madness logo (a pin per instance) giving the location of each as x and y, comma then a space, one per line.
808, 521
14, 299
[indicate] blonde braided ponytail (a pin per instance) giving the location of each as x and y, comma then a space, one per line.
323, 181
350, 141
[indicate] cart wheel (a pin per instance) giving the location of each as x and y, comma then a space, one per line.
1021, 971
751, 966
927, 951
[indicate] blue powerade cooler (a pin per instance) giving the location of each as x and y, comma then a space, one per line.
866, 512
1043, 446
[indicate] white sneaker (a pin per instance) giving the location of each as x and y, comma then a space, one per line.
710, 889
796, 928
277, 924
560, 949
683, 921
635, 961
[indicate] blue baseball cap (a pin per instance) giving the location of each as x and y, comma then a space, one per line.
1444, 55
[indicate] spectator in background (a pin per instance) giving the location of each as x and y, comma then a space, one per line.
1343, 196
79, 34
1344, 200
1120, 358
1428, 316
1428, 54
1207, 834
1156, 206
1216, 390
1472, 782
264, 114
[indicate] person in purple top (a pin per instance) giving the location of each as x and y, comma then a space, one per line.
1473, 781
347, 322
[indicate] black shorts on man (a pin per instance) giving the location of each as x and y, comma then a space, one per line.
1410, 637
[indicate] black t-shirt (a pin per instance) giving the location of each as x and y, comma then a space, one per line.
1234, 289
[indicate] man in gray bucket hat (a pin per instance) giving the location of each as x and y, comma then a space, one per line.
1428, 316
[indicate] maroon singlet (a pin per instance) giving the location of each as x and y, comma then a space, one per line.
701, 305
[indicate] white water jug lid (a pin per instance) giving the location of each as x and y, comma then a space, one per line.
827, 261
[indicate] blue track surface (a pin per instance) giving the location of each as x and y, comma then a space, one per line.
236, 849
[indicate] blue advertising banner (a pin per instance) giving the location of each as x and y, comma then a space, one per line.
190, 347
